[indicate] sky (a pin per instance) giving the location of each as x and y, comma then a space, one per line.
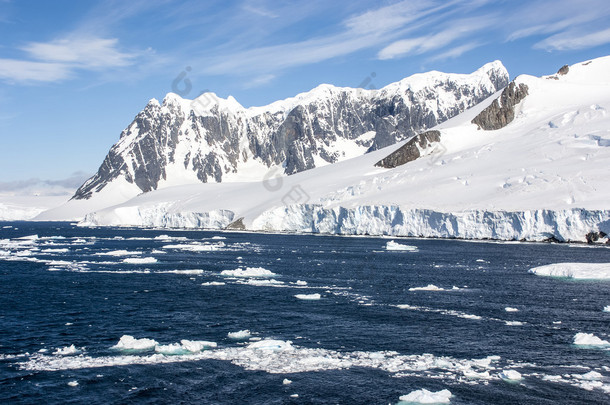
74, 74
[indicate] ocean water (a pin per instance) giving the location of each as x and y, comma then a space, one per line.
338, 320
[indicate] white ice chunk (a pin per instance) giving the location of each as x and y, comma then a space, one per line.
271, 344
311, 297
589, 339
511, 309
248, 272
424, 396
511, 375
140, 260
66, 351
574, 270
119, 253
73, 383
128, 342
287, 381
240, 335
607, 308
429, 287
391, 245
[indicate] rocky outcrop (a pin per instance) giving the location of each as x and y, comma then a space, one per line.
563, 70
411, 150
501, 112
208, 138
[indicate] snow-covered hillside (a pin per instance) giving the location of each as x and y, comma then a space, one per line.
209, 139
544, 175
23, 208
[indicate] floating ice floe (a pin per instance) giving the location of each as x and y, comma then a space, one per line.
185, 347
128, 342
391, 245
67, 351
213, 283
140, 260
197, 247
263, 283
248, 272
424, 396
511, 375
73, 383
29, 237
607, 308
590, 271
271, 344
449, 312
287, 381
310, 297
240, 335
118, 253
63, 250
432, 287
589, 339
590, 376
302, 283
514, 323
181, 271
511, 309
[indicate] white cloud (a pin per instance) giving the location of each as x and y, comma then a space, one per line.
85, 52
61, 58
568, 41
28, 71
439, 40
456, 52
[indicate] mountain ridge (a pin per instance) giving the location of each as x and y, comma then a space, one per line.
210, 139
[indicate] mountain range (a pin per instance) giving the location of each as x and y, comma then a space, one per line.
434, 155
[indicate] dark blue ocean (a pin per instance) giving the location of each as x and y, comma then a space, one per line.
456, 315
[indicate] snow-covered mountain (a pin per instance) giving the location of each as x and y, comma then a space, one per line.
542, 175
210, 139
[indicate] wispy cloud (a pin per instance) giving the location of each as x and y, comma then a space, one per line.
62, 58
567, 41
439, 40
37, 186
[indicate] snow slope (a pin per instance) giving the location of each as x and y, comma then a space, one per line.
542, 176
23, 208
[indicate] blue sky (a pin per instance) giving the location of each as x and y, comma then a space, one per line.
73, 74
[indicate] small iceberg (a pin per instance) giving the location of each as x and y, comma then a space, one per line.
607, 308
589, 339
511, 309
424, 396
185, 347
429, 287
128, 342
248, 272
66, 351
271, 344
510, 375
240, 335
140, 260
584, 271
391, 245
310, 297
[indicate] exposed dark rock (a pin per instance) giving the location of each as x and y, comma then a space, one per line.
563, 70
238, 224
592, 237
500, 113
410, 150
